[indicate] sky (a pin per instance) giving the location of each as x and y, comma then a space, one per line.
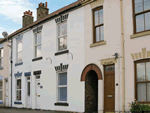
11, 12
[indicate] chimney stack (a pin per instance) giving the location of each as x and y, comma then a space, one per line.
27, 18
42, 10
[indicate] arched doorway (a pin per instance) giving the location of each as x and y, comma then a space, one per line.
91, 74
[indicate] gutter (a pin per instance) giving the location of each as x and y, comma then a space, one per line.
123, 59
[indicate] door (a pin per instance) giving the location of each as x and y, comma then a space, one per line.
37, 95
109, 88
6, 93
28, 93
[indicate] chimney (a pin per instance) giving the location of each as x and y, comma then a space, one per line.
27, 18
42, 10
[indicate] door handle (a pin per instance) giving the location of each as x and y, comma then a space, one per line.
113, 92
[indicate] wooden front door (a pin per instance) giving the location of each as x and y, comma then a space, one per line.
109, 88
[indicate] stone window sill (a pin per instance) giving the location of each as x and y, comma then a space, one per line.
98, 44
140, 34
1, 68
38, 58
17, 64
61, 104
17, 102
61, 52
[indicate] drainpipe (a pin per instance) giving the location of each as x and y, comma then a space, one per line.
11, 68
123, 59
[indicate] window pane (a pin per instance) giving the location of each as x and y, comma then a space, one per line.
62, 29
18, 94
19, 46
1, 62
110, 68
62, 94
96, 18
138, 6
62, 43
1, 85
147, 20
62, 79
20, 57
1, 95
1, 53
102, 33
146, 4
101, 16
28, 85
140, 23
147, 71
141, 72
97, 34
35, 38
19, 84
141, 95
148, 91
39, 38
38, 51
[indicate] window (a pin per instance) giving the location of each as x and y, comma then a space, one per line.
1, 57
62, 87
62, 36
141, 15
19, 50
38, 45
18, 90
98, 25
142, 80
1, 90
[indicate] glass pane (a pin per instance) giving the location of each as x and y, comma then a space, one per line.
62, 29
96, 18
62, 94
140, 72
19, 46
62, 42
19, 84
147, 20
1, 53
62, 79
147, 71
1, 95
138, 6
148, 91
28, 78
140, 23
20, 57
101, 16
141, 94
110, 68
18, 94
28, 85
102, 33
37, 77
97, 34
38, 51
35, 38
39, 38
1, 62
1, 85
146, 4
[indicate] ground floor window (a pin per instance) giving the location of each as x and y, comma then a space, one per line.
142, 80
62, 87
1, 90
18, 90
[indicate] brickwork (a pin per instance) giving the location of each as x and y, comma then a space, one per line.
27, 18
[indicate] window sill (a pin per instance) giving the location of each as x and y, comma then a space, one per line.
1, 68
17, 102
61, 104
38, 58
61, 52
17, 64
98, 44
140, 34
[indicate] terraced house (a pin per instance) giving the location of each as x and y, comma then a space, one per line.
90, 56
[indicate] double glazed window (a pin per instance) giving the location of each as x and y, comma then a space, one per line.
19, 50
141, 15
1, 57
18, 90
142, 80
1, 90
98, 25
62, 87
38, 45
62, 36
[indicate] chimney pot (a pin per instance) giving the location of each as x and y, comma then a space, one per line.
46, 4
31, 13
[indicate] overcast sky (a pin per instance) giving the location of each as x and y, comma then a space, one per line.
11, 11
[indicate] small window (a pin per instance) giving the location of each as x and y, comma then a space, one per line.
18, 90
28, 85
37, 77
141, 15
98, 25
19, 51
1, 90
62, 87
1, 57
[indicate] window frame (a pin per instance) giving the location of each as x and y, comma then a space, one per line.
1, 57
134, 18
17, 42
36, 45
135, 77
18, 89
63, 22
94, 27
57, 86
1, 80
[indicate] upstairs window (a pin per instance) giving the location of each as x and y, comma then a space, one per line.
62, 36
141, 10
1, 57
98, 25
19, 49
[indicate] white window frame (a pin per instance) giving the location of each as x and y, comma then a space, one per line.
18, 89
1, 89
18, 41
35, 45
61, 36
1, 57
57, 86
